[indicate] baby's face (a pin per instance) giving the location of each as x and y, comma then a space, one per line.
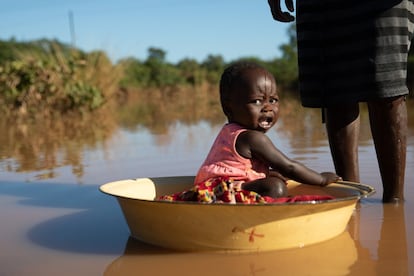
254, 101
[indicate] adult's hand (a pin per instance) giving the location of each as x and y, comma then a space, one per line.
278, 14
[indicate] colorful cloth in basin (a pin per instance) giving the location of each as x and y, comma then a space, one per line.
224, 190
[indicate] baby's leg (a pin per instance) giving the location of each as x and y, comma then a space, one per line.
270, 186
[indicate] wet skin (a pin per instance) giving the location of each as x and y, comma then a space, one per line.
388, 121
254, 104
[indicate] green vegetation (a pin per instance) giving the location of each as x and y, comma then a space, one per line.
45, 78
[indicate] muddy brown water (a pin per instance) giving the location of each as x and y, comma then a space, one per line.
54, 220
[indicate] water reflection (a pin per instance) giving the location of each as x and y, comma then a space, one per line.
319, 259
387, 254
43, 146
157, 109
392, 247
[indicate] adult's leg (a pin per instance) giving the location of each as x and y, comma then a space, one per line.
342, 125
388, 119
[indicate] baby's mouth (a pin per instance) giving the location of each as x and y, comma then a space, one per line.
265, 123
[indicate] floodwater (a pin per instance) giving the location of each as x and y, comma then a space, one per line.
55, 221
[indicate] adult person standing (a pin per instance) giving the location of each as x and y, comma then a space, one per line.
352, 51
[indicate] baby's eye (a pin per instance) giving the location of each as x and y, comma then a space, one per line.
273, 101
257, 101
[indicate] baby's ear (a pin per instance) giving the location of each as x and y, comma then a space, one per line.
225, 105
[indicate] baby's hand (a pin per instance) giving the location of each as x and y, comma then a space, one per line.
329, 177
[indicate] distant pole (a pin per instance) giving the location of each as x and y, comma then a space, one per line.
72, 29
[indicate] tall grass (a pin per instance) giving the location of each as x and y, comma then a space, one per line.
57, 80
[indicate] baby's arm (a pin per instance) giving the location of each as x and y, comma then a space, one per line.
255, 144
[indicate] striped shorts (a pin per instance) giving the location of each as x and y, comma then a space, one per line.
352, 50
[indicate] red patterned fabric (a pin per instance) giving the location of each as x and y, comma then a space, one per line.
223, 190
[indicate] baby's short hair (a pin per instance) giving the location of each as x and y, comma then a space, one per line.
232, 73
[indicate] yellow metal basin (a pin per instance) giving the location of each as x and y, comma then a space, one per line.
233, 227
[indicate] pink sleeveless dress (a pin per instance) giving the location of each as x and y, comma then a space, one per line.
224, 161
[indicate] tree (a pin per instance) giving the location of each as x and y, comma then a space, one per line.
190, 71
285, 68
136, 73
161, 73
214, 66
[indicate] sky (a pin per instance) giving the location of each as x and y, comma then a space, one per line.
128, 28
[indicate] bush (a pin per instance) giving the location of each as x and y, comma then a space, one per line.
56, 80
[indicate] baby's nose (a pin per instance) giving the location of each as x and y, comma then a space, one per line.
267, 107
